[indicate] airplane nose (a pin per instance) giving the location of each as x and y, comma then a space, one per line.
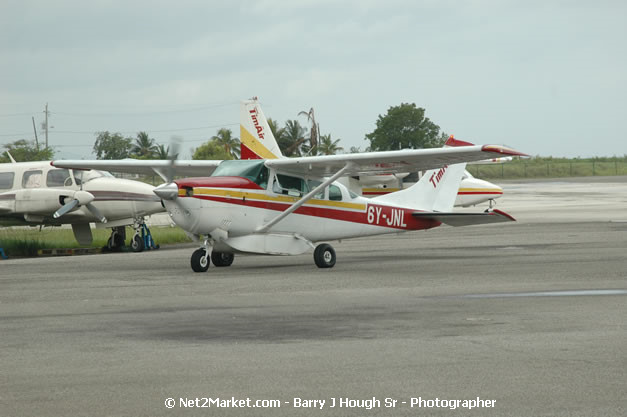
167, 191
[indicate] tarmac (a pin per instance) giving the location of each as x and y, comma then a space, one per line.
518, 319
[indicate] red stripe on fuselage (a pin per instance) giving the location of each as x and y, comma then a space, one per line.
384, 216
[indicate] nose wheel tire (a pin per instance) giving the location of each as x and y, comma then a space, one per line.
137, 243
200, 260
222, 258
324, 256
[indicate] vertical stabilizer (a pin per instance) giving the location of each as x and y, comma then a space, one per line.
436, 190
257, 139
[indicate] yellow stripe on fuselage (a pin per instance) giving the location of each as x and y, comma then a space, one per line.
220, 192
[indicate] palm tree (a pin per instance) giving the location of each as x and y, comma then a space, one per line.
292, 138
277, 131
315, 130
162, 152
327, 146
225, 138
144, 147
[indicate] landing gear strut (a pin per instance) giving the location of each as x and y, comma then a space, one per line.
142, 238
117, 238
324, 256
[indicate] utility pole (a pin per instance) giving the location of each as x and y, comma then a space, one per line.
46, 112
35, 130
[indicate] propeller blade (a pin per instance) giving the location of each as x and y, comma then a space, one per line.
94, 210
174, 153
65, 208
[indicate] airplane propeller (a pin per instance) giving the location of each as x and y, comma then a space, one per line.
169, 190
80, 198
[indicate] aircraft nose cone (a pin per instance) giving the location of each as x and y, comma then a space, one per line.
167, 191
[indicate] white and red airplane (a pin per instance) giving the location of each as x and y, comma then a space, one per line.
472, 191
291, 205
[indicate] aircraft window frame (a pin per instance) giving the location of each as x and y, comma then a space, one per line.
7, 179
337, 192
30, 180
58, 182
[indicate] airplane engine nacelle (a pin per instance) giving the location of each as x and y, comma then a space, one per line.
40, 200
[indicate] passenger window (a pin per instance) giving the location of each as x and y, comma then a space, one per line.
293, 186
335, 193
6, 180
313, 184
58, 178
32, 179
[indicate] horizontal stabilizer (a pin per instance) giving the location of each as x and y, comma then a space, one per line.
466, 219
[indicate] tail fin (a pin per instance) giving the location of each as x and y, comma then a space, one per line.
436, 190
257, 139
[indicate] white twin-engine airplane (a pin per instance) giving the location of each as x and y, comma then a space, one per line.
36, 193
260, 143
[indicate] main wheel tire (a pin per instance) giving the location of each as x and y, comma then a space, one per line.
222, 258
200, 260
137, 243
324, 256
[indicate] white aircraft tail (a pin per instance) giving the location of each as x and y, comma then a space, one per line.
435, 192
257, 140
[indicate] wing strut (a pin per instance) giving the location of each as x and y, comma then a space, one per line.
304, 199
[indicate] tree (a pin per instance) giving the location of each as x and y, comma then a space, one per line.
314, 132
25, 151
292, 139
277, 131
212, 150
328, 146
162, 152
144, 147
112, 146
403, 127
225, 138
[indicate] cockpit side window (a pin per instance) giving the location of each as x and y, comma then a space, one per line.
6, 180
32, 179
58, 178
288, 185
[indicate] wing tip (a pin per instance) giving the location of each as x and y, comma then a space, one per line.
502, 150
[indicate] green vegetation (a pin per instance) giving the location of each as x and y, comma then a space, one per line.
25, 151
542, 167
26, 242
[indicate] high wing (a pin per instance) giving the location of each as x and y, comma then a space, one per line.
407, 160
188, 168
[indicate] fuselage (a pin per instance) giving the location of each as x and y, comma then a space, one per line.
239, 206
30, 192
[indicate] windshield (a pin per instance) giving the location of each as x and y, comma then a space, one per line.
82, 177
253, 169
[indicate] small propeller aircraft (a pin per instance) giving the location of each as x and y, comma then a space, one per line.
35, 193
472, 191
291, 205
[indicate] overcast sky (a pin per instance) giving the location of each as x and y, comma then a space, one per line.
546, 77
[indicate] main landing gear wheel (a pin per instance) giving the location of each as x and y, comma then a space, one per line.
200, 260
324, 256
222, 258
137, 243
